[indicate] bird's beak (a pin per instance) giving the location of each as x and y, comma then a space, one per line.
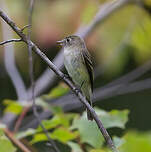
62, 42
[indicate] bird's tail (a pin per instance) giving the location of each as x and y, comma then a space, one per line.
86, 90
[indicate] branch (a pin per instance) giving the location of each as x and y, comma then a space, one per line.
62, 76
136, 73
69, 102
25, 27
48, 78
104, 93
20, 119
20, 145
31, 73
12, 40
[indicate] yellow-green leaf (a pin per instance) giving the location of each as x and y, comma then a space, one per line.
87, 129
5, 143
13, 107
64, 135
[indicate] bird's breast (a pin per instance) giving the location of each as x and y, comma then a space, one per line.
75, 66
72, 59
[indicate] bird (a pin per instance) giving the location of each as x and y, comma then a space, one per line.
78, 64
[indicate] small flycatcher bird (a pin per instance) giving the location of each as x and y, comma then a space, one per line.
78, 64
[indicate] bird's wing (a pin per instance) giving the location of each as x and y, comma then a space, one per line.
88, 62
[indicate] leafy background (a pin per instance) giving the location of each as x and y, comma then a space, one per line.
118, 45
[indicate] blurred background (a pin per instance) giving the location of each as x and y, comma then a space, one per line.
119, 44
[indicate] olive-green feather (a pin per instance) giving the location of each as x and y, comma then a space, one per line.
88, 63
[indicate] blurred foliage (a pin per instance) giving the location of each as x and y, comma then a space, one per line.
136, 141
78, 133
71, 129
12, 106
57, 92
5, 143
141, 39
88, 129
120, 43
118, 33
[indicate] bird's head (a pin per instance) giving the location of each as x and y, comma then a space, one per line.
72, 41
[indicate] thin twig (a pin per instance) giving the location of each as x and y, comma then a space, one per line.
9, 41
26, 26
52, 143
62, 76
21, 117
21, 146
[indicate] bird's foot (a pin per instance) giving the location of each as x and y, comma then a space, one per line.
77, 90
67, 76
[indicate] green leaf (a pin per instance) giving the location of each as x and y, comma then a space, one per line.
137, 142
74, 146
61, 134
59, 119
87, 129
39, 137
117, 141
64, 135
89, 132
13, 107
114, 118
49, 124
5, 144
60, 90
26, 133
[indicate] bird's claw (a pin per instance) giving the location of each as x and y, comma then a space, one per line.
77, 90
66, 76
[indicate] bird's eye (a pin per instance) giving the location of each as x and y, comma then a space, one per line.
68, 39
